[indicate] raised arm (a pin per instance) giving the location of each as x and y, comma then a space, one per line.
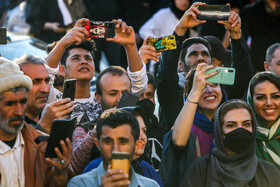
75, 36
184, 121
136, 68
240, 57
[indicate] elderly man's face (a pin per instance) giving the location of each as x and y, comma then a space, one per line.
12, 110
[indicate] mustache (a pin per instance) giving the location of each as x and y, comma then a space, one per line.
16, 118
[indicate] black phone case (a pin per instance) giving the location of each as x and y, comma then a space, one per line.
69, 88
61, 129
3, 35
213, 12
127, 99
100, 29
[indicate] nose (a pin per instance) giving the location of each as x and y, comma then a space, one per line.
45, 87
268, 101
19, 109
116, 148
83, 61
208, 88
200, 58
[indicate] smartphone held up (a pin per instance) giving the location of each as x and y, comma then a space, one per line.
224, 76
100, 29
214, 12
163, 43
120, 160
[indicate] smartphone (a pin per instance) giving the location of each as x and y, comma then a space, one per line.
127, 99
225, 76
100, 29
163, 43
120, 160
3, 35
214, 12
61, 129
69, 88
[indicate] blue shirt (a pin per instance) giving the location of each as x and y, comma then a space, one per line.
93, 178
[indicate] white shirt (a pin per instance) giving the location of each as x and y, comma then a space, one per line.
162, 23
12, 163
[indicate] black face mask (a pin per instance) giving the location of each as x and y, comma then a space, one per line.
238, 140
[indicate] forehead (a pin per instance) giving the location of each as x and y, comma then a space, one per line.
276, 54
11, 96
239, 114
122, 131
35, 71
115, 82
264, 87
197, 47
79, 51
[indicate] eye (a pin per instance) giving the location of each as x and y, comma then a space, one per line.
247, 124
150, 95
113, 94
230, 125
107, 142
123, 141
261, 97
276, 96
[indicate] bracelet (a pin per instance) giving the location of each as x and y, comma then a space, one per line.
192, 101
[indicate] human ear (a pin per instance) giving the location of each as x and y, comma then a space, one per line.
62, 70
97, 97
266, 66
181, 66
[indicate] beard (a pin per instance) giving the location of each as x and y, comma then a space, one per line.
7, 129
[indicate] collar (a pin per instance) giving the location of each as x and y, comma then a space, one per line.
4, 148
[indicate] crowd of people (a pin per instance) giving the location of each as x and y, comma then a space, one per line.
183, 130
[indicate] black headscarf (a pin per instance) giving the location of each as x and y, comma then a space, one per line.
178, 13
231, 170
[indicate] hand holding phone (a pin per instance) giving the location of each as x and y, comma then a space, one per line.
127, 99
69, 89
120, 160
61, 129
224, 76
163, 43
214, 12
100, 29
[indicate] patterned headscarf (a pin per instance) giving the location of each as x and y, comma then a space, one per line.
267, 145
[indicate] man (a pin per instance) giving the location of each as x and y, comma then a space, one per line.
272, 62
22, 161
76, 56
34, 68
117, 131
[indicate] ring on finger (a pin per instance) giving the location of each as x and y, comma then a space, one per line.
62, 162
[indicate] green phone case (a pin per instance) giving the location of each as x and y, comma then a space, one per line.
225, 75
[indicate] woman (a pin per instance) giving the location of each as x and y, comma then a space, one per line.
233, 161
192, 134
197, 115
142, 155
264, 98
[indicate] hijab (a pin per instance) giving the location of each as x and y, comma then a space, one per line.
267, 146
178, 13
231, 170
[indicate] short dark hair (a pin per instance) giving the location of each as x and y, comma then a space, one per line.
151, 80
114, 70
190, 41
87, 45
270, 52
116, 118
264, 76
